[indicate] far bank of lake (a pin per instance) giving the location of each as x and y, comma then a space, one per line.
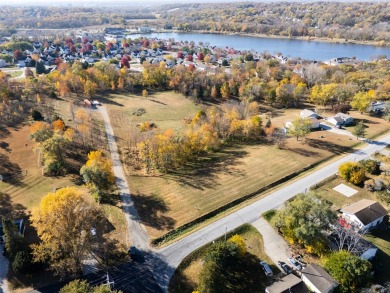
305, 49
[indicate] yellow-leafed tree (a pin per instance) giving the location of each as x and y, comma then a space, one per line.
97, 173
69, 227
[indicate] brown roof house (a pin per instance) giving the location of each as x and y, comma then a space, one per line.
288, 284
364, 214
317, 279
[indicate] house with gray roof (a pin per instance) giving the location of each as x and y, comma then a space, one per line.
318, 280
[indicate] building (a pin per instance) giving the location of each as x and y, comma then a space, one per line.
287, 284
348, 120
364, 214
336, 121
2, 63
144, 30
317, 279
308, 114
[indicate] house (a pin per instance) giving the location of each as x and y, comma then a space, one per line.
287, 284
348, 120
144, 30
2, 63
364, 214
317, 279
314, 123
20, 226
336, 121
308, 113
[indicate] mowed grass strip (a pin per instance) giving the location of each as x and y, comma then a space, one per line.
172, 200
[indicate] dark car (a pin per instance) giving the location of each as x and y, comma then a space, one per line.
285, 267
266, 268
135, 253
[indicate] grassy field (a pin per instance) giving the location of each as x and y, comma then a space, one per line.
168, 201
186, 276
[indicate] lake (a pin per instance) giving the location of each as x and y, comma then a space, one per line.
309, 50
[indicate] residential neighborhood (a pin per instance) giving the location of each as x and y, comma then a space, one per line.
194, 147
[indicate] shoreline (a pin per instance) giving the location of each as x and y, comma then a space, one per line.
264, 36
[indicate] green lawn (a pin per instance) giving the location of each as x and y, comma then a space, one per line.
186, 276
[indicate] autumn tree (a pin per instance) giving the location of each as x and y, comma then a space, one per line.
78, 286
69, 227
362, 100
300, 127
352, 172
351, 271
304, 219
97, 173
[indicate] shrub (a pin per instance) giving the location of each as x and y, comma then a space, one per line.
371, 166
239, 241
22, 262
268, 215
352, 172
36, 115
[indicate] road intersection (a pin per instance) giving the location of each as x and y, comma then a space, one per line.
164, 261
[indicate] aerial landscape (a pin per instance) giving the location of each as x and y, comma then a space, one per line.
201, 147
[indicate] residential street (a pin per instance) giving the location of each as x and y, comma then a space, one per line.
137, 233
170, 257
174, 253
274, 244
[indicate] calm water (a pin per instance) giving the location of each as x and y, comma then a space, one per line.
292, 48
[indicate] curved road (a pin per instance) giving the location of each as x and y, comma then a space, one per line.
174, 253
164, 261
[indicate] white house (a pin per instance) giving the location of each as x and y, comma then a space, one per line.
364, 214
2, 63
317, 279
336, 121
346, 118
308, 113
144, 30
314, 123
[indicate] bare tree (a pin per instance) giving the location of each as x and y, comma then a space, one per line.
348, 239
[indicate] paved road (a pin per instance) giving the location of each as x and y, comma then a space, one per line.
174, 253
274, 245
137, 233
4, 263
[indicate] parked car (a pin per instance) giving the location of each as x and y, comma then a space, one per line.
295, 263
299, 258
135, 253
285, 267
266, 268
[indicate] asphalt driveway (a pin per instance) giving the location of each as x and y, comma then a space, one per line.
3, 271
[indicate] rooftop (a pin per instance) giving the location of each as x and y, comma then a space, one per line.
319, 277
289, 283
366, 210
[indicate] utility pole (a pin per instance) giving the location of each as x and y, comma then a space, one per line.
108, 283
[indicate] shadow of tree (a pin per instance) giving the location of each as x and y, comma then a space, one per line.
150, 209
326, 145
304, 152
202, 173
9, 209
11, 172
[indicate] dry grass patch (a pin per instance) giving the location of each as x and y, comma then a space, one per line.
339, 201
